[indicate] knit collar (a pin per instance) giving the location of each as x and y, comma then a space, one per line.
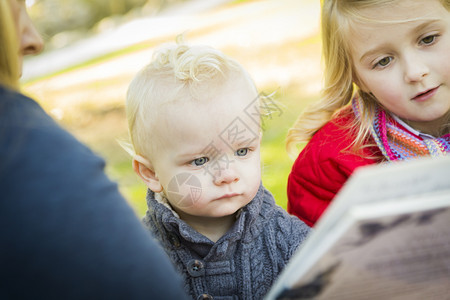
163, 214
396, 142
410, 129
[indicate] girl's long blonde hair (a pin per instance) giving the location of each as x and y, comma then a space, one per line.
337, 18
9, 48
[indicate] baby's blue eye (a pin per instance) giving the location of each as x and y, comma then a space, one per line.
199, 161
241, 152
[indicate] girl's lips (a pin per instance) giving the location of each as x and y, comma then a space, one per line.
426, 95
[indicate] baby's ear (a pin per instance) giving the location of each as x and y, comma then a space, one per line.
145, 170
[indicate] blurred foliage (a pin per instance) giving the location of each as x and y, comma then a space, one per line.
78, 18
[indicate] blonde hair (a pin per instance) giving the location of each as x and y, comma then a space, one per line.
9, 48
337, 18
176, 73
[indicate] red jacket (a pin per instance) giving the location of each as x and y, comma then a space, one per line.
322, 168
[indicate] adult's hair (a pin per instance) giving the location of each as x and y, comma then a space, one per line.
9, 48
340, 81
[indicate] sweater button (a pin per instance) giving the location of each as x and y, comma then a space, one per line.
196, 268
205, 297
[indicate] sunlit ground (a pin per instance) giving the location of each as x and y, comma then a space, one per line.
277, 41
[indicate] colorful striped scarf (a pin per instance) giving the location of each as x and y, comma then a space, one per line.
398, 143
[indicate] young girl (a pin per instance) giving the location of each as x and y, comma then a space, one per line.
196, 138
386, 95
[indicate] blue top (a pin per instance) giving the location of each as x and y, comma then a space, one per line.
65, 231
242, 264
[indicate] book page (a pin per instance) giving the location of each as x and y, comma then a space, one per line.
375, 183
374, 194
401, 256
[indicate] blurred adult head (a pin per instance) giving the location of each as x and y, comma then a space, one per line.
18, 37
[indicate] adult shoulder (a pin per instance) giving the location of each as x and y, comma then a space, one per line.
66, 231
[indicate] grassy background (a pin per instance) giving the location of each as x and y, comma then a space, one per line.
88, 100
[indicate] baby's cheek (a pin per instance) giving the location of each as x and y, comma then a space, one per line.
184, 190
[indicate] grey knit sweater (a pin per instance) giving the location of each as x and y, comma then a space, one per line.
244, 263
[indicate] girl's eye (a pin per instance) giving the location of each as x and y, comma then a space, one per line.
241, 152
384, 61
199, 161
428, 40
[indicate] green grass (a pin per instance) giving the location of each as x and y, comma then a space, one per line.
275, 160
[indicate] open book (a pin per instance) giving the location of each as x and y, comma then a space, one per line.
385, 236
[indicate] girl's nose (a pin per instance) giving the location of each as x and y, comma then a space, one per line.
415, 68
31, 41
